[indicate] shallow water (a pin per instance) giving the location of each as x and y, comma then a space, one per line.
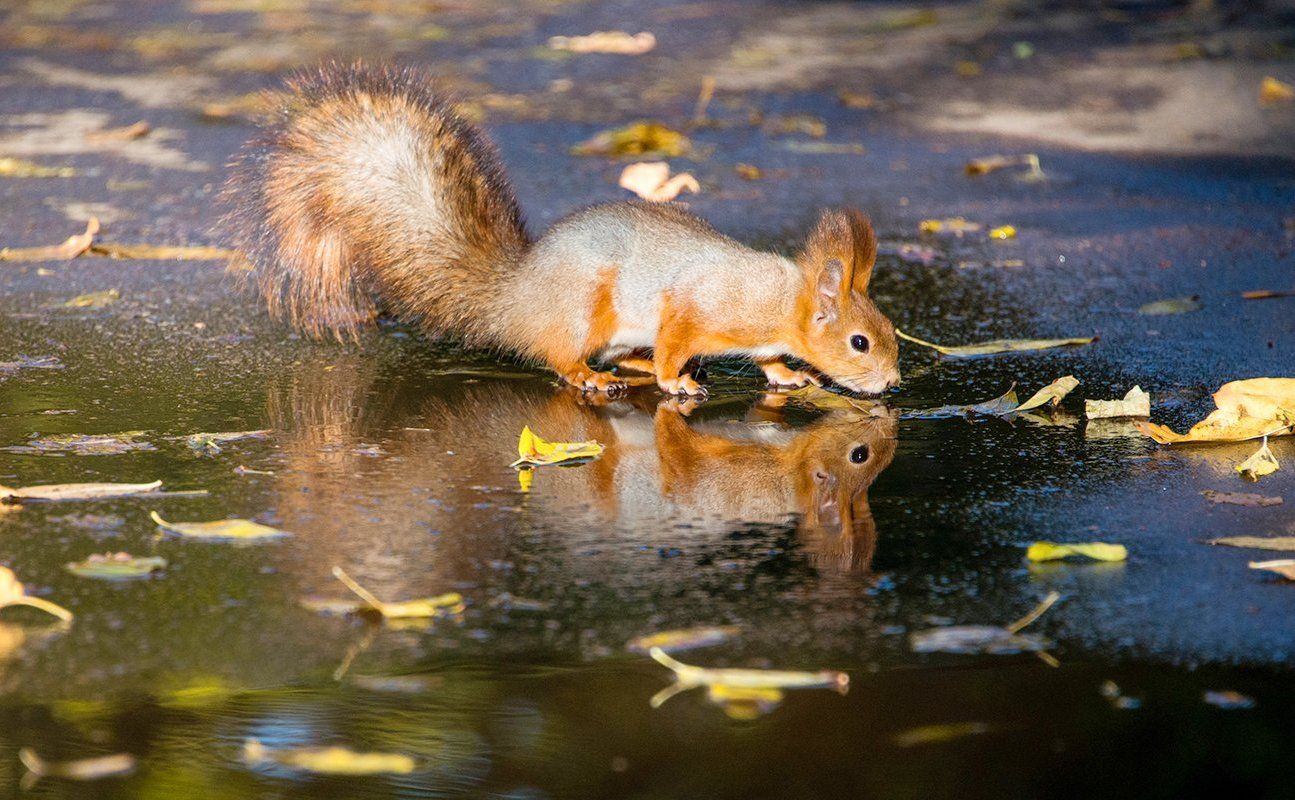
391, 459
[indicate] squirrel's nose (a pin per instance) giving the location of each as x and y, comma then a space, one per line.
892, 380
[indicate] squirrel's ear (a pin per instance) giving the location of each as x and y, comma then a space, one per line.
847, 237
864, 246
827, 291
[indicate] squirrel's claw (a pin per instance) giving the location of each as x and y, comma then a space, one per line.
682, 386
596, 382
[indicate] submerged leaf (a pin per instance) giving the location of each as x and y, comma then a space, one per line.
996, 346
938, 734
221, 529
77, 491
533, 451
1262, 463
1258, 542
1248, 409
651, 180
117, 566
13, 593
71, 248
82, 769
1240, 498
1136, 403
640, 138
448, 604
685, 639
1284, 567
329, 760
1098, 551
1176, 305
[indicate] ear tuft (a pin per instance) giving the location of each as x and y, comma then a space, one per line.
847, 237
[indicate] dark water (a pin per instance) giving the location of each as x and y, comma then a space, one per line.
391, 460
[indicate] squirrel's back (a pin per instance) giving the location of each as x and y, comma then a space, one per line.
368, 185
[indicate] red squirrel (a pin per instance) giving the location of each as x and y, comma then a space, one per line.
367, 190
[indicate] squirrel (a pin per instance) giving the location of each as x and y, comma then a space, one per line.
367, 191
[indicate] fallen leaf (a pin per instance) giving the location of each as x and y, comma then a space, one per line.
30, 362
1098, 551
1136, 403
651, 180
1284, 567
1257, 542
955, 225
82, 769
329, 760
818, 397
100, 444
13, 593
1001, 406
101, 299
1262, 463
749, 172
242, 530
938, 734
117, 566
1272, 91
76, 491
71, 248
824, 148
988, 639
1228, 699
1051, 394
685, 639
996, 346
209, 443
17, 168
242, 470
1240, 498
145, 252
533, 451
984, 166
746, 682
640, 138
1248, 409
128, 133
617, 42
444, 605
1265, 294
1003, 232
805, 124
1174, 305
744, 703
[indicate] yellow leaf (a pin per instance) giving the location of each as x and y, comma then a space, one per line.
532, 451
1262, 463
1284, 567
954, 225
1136, 403
684, 639
690, 677
1174, 305
82, 769
617, 42
1003, 232
17, 168
1273, 91
744, 703
1249, 409
447, 604
640, 138
1098, 551
117, 566
94, 299
996, 346
76, 491
329, 760
13, 593
229, 529
1052, 394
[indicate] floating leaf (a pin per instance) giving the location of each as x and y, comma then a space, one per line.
533, 451
71, 248
1001, 406
77, 491
329, 760
1228, 699
744, 703
1272, 91
640, 138
82, 769
443, 605
99, 444
1249, 409
824, 148
13, 593
616, 42
31, 362
685, 639
117, 566
209, 443
996, 346
1284, 567
1136, 403
1051, 394
17, 168
1267, 294
726, 684
1258, 542
651, 180
1003, 232
94, 299
955, 225
748, 172
1098, 551
989, 639
938, 734
1262, 463
1175, 305
242, 530
1240, 498
819, 397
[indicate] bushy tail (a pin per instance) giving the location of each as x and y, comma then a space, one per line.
368, 192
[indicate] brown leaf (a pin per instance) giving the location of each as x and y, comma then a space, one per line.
71, 248
137, 131
1258, 542
1241, 498
1267, 294
616, 42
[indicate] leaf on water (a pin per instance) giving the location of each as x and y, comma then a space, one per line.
743, 680
1248, 409
242, 530
1136, 403
1051, 394
616, 42
1240, 498
77, 491
71, 248
1258, 542
82, 769
31, 362
651, 180
817, 148
789, 124
640, 138
819, 397
1273, 91
243, 470
329, 760
748, 172
1175, 305
955, 225
533, 451
445, 605
209, 443
162, 252
984, 166
13, 593
987, 639
94, 299
1098, 551
117, 566
1262, 463
743, 703
1284, 567
1002, 406
1267, 294
333, 606
938, 734
1228, 699
100, 444
684, 639
996, 346
125, 134
1003, 232
18, 168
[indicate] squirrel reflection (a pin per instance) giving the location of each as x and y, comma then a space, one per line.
351, 437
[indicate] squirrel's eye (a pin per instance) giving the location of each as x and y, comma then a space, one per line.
859, 454
859, 342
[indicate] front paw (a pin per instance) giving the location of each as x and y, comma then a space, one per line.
596, 382
781, 375
682, 386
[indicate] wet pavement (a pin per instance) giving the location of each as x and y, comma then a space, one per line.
390, 457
